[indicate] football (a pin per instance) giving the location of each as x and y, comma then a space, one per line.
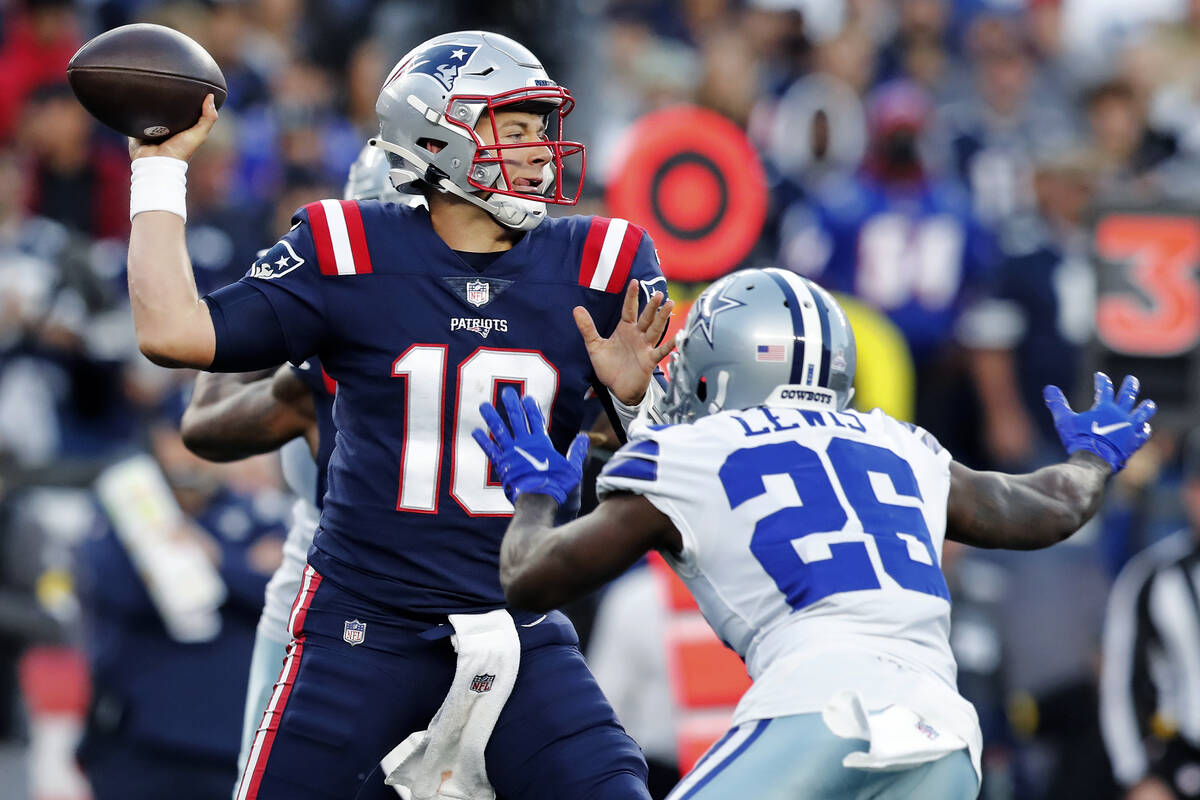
145, 81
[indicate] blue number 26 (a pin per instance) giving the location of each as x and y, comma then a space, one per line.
901, 536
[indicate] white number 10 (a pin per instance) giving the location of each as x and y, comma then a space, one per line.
423, 366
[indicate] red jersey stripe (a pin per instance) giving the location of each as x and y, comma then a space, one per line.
358, 237
321, 238
591, 250
629, 247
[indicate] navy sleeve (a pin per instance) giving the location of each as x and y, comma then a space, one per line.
249, 334
647, 270
289, 278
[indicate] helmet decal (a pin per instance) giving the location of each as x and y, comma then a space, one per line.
810, 358
708, 306
758, 336
442, 63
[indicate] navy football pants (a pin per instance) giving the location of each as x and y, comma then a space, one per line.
338, 709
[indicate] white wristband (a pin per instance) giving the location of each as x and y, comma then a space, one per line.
158, 183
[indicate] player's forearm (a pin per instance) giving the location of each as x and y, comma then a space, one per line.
173, 325
526, 553
243, 423
1031, 511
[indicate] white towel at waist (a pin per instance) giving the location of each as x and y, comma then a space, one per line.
899, 737
445, 762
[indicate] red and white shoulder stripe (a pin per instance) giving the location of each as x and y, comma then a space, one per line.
608, 253
340, 239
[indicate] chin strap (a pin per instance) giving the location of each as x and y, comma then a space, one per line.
512, 212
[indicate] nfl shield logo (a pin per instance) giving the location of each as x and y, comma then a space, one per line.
482, 683
477, 293
354, 632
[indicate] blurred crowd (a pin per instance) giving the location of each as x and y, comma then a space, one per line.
937, 160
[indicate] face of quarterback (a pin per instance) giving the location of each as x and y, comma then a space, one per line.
523, 165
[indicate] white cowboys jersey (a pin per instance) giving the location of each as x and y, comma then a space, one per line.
300, 475
812, 544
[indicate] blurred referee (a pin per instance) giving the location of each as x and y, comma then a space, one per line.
1150, 681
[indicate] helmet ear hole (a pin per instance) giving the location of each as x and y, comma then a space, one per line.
432, 145
702, 390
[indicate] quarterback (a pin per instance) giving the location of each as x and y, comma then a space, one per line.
400, 633
810, 535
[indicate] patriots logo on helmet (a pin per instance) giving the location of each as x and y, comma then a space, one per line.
442, 63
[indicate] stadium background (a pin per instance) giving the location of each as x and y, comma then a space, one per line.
1062, 138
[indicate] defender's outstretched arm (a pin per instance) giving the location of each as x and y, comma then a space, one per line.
233, 416
1025, 512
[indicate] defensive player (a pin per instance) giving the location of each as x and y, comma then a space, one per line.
419, 316
810, 535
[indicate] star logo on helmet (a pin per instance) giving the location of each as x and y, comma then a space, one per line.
707, 309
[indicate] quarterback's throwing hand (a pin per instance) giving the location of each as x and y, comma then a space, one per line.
1112, 429
184, 144
525, 457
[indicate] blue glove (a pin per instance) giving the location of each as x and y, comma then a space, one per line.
1112, 430
526, 458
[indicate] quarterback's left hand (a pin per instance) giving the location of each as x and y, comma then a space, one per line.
1113, 430
525, 457
625, 361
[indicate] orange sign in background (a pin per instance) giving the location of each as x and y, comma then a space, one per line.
695, 182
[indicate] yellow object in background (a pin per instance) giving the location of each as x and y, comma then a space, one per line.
885, 377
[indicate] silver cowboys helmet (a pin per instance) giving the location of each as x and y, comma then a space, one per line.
761, 336
440, 92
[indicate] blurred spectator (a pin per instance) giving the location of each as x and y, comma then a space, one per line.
919, 50
1151, 672
816, 132
60, 394
1127, 150
730, 75
902, 241
989, 136
79, 177
1096, 32
1027, 331
38, 38
301, 128
781, 37
166, 716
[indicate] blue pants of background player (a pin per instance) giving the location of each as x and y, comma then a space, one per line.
339, 709
798, 758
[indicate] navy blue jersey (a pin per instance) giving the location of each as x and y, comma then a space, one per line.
323, 389
416, 339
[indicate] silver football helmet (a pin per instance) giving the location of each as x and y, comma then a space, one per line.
369, 180
759, 336
440, 92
